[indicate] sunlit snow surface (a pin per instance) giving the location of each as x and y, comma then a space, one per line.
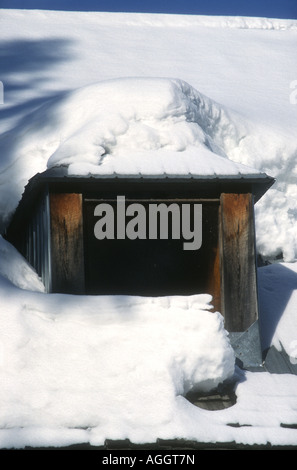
89, 368
154, 94
241, 100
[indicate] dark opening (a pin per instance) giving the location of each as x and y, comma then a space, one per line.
148, 267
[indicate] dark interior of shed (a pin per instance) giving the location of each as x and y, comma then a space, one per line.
150, 267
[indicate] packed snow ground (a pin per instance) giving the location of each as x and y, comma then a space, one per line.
230, 100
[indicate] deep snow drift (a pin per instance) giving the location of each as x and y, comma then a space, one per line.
88, 368
129, 126
115, 356
67, 100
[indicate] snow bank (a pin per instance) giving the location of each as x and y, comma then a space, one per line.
82, 369
78, 369
17, 270
123, 116
57, 352
69, 362
127, 126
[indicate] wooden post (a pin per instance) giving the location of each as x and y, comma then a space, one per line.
238, 263
67, 255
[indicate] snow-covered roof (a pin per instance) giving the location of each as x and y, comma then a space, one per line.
147, 127
194, 163
206, 185
144, 127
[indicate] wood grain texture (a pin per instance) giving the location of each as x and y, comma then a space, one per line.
238, 265
67, 252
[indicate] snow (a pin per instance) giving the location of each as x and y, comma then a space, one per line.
17, 270
153, 95
125, 127
239, 103
278, 283
114, 356
127, 363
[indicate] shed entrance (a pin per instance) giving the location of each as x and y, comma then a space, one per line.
150, 267
53, 227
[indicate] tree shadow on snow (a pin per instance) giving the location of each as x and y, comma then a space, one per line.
23, 65
26, 70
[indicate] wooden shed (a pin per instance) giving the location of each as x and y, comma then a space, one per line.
54, 228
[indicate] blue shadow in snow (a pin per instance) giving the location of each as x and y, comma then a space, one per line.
23, 67
276, 282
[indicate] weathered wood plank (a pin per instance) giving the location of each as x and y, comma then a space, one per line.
238, 268
67, 251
